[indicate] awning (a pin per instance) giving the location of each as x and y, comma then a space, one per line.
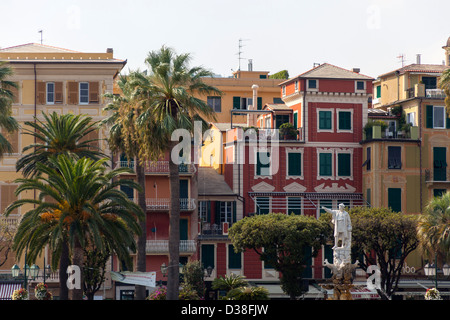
7, 289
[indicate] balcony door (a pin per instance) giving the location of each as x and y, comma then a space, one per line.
440, 164
184, 226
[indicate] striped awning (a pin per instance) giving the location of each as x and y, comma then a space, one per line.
7, 289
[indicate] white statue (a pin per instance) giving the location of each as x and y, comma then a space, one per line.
342, 227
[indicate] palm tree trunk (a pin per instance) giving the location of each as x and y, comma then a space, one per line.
64, 262
173, 280
77, 260
141, 244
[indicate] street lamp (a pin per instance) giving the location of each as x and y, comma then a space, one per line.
29, 273
164, 273
209, 270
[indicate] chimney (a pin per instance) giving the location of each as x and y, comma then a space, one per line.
251, 117
357, 70
417, 58
250, 65
109, 50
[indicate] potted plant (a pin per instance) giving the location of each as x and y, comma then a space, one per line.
20, 294
432, 294
288, 132
41, 292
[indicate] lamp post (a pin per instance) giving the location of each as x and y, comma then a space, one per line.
29, 273
431, 270
164, 273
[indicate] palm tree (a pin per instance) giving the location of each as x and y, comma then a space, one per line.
434, 227
444, 84
58, 134
78, 198
124, 139
169, 104
7, 122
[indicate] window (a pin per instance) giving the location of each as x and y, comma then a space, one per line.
294, 164
296, 85
215, 103
50, 92
360, 85
128, 191
410, 118
368, 158
283, 90
262, 205
226, 212
394, 157
263, 164
234, 258
344, 165
439, 192
327, 203
241, 103
378, 92
280, 119
312, 84
395, 199
207, 255
436, 117
439, 164
345, 120
204, 209
325, 120
325, 164
13, 139
369, 197
7, 196
294, 205
84, 93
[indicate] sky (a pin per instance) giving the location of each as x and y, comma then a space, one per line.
276, 35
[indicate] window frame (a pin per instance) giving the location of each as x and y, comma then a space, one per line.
319, 111
390, 157
315, 87
319, 154
269, 175
214, 100
350, 155
443, 117
288, 152
79, 93
339, 111
47, 101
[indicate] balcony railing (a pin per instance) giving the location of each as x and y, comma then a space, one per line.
437, 175
162, 246
158, 167
164, 204
420, 91
435, 93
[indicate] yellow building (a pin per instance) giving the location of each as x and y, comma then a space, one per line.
52, 79
405, 158
238, 93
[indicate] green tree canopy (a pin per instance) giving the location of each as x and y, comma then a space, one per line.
282, 241
390, 235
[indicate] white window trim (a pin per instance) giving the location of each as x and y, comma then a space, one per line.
283, 91
443, 115
256, 151
296, 85
360, 90
351, 121
46, 93
318, 120
79, 93
312, 89
333, 167
350, 177
294, 150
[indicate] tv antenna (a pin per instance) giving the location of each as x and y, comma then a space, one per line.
402, 57
240, 52
41, 32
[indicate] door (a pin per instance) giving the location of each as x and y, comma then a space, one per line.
184, 194
184, 229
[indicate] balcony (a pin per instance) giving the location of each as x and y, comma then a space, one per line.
158, 167
164, 204
162, 246
419, 91
376, 133
437, 175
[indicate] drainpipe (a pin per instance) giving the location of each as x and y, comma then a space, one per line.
420, 154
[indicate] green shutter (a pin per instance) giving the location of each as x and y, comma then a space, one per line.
325, 164
325, 120
295, 120
236, 102
208, 219
369, 196
395, 199
183, 229
234, 212
307, 261
328, 255
345, 120
259, 103
429, 117
234, 258
378, 91
294, 164
260, 165
325, 203
208, 255
217, 212
344, 165
439, 164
